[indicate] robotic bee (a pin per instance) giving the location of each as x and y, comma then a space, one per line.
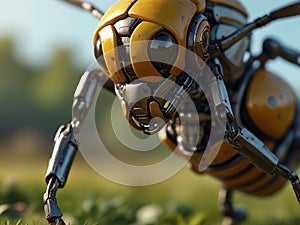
258, 151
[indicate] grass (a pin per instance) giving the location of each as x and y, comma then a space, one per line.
185, 199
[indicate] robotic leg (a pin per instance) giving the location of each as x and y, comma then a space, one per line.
232, 216
249, 146
65, 145
60, 163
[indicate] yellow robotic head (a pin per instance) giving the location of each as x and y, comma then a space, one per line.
163, 23
142, 43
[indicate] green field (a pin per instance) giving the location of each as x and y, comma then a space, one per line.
184, 199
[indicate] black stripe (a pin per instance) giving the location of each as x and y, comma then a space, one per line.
269, 183
237, 175
248, 183
227, 164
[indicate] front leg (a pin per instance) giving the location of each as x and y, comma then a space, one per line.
65, 146
64, 151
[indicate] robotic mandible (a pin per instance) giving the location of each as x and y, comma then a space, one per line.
260, 148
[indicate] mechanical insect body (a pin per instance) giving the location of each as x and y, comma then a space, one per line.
260, 148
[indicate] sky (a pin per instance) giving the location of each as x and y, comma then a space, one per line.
38, 27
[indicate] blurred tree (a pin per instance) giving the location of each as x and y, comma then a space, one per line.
52, 90
14, 78
55, 85
35, 98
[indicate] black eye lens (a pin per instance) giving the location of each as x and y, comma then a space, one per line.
98, 49
162, 52
98, 52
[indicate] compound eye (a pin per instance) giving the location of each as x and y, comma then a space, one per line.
162, 52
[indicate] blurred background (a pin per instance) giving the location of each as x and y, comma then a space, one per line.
45, 46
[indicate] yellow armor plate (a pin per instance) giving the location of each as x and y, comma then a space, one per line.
201, 5
174, 16
116, 12
138, 50
109, 44
271, 104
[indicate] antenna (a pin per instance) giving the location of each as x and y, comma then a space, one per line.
223, 44
86, 6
